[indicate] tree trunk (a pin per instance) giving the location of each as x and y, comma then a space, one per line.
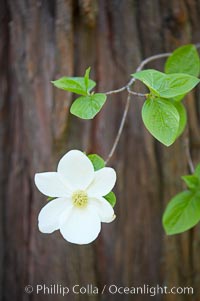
42, 41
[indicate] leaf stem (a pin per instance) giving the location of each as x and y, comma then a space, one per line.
136, 93
188, 155
116, 141
139, 68
115, 91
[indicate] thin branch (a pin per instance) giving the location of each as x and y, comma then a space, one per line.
115, 91
188, 155
130, 92
152, 58
127, 87
140, 67
136, 93
197, 45
120, 129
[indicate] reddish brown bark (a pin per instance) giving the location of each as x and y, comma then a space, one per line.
41, 41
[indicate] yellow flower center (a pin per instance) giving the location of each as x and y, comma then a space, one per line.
80, 198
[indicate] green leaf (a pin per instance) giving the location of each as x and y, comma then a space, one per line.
75, 84
87, 107
97, 161
183, 117
167, 85
197, 171
50, 198
191, 181
151, 78
177, 84
86, 78
184, 59
178, 98
182, 212
161, 118
111, 198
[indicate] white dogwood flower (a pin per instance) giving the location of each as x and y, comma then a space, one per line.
79, 207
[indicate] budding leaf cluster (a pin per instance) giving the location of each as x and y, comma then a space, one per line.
89, 103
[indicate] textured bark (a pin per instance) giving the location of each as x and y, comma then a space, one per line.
41, 41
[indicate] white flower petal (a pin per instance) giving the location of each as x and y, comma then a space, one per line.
77, 169
104, 209
51, 184
49, 216
103, 183
82, 226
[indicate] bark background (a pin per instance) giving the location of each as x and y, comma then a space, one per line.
41, 41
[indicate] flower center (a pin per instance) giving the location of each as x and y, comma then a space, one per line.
80, 198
